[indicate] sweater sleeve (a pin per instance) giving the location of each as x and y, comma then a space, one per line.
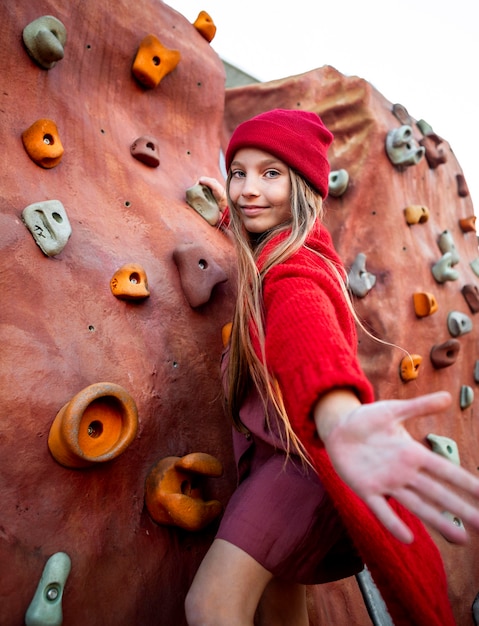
311, 342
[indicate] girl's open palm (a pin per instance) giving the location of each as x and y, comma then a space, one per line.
375, 455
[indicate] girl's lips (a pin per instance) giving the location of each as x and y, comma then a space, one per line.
252, 210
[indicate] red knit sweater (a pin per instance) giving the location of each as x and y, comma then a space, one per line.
311, 347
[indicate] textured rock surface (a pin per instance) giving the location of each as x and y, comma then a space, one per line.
62, 329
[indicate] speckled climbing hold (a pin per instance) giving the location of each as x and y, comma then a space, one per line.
445, 447
338, 182
96, 425
153, 62
205, 26
434, 151
443, 270
130, 282
446, 244
468, 224
409, 367
424, 303
146, 150
462, 188
471, 295
48, 222
416, 214
45, 609
453, 519
445, 354
201, 199
226, 333
42, 143
173, 494
360, 281
474, 265
199, 273
466, 396
45, 39
458, 323
402, 148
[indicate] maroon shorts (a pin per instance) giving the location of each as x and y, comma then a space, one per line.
282, 517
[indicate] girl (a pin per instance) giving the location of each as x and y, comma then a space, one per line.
323, 470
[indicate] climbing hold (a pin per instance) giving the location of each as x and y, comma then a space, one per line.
446, 244
146, 150
153, 62
201, 199
42, 143
199, 273
46, 605
434, 152
338, 183
466, 396
424, 303
442, 270
416, 214
458, 323
445, 354
173, 494
474, 265
409, 367
462, 188
471, 295
468, 224
226, 333
130, 283
48, 222
401, 147
360, 281
444, 446
402, 114
205, 26
95, 426
476, 372
45, 39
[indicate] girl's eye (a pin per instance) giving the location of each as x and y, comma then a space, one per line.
272, 173
237, 174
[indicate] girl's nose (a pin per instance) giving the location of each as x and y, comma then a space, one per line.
250, 186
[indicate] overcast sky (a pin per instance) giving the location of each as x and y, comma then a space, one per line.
423, 54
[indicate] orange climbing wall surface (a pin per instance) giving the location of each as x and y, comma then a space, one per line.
134, 297
62, 328
369, 218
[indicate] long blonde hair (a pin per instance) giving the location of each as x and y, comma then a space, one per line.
246, 367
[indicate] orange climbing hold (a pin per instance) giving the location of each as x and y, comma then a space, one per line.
424, 303
153, 62
42, 143
226, 333
205, 26
468, 224
95, 426
172, 494
416, 214
409, 368
130, 283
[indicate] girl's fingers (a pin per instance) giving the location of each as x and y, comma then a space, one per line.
427, 404
380, 507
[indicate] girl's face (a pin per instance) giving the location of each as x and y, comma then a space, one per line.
260, 189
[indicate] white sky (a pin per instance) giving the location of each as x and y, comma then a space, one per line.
423, 54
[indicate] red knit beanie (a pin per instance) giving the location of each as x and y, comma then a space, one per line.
298, 138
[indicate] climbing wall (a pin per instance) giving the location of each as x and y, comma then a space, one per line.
115, 292
115, 455
403, 221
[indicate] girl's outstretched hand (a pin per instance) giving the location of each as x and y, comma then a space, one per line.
218, 190
376, 456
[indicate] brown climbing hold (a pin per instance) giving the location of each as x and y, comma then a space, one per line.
468, 224
173, 495
416, 214
409, 367
42, 143
462, 188
146, 150
153, 62
199, 273
471, 295
434, 154
130, 283
445, 354
205, 26
95, 426
424, 304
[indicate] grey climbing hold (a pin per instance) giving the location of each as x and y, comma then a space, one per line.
338, 183
446, 244
44, 39
201, 199
45, 609
474, 265
360, 281
466, 396
402, 148
443, 270
458, 323
444, 446
48, 222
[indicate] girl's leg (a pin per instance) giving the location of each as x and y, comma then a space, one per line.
228, 587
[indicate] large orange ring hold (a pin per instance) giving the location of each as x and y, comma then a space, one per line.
95, 426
